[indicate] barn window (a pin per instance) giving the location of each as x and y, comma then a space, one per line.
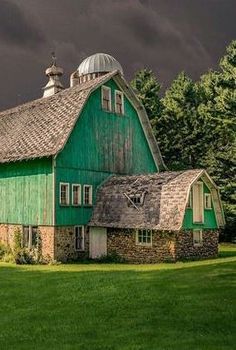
76, 194
30, 236
119, 102
88, 195
197, 238
144, 237
136, 199
79, 238
64, 193
207, 201
106, 98
198, 212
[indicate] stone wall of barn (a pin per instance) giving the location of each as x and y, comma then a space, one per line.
185, 248
166, 246
7, 232
58, 243
65, 244
123, 242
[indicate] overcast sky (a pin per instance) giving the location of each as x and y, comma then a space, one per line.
167, 36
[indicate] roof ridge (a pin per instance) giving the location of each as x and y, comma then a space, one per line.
44, 100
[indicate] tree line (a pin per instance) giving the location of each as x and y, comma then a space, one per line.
195, 125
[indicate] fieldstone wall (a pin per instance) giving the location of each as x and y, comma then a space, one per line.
65, 244
46, 233
185, 248
7, 233
59, 243
166, 246
123, 242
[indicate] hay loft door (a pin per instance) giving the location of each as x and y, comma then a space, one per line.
97, 242
198, 212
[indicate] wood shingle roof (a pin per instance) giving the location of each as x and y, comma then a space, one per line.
165, 197
41, 128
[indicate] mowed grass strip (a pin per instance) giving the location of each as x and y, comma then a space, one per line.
127, 307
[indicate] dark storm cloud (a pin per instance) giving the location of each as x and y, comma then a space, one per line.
167, 36
15, 28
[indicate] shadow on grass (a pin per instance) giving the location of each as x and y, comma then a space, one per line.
227, 250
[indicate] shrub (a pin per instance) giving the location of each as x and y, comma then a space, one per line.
24, 255
113, 257
5, 252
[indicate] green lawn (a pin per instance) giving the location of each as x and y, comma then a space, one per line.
179, 306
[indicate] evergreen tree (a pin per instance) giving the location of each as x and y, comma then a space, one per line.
179, 130
218, 104
147, 88
195, 124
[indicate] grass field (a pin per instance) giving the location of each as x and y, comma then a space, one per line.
183, 306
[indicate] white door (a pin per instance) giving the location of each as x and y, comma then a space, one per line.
198, 213
97, 242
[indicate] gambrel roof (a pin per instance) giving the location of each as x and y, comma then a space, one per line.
42, 127
163, 208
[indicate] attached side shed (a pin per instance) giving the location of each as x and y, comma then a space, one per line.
147, 216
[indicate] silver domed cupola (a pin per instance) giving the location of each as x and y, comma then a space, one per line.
95, 66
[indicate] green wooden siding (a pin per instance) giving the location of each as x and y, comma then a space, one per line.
26, 192
209, 216
71, 215
102, 143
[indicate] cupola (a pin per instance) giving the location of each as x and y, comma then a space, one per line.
93, 67
53, 72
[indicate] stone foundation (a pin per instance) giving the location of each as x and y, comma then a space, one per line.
186, 250
123, 242
59, 243
65, 244
46, 234
166, 246
7, 233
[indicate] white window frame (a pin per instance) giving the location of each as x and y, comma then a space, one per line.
143, 243
79, 201
200, 242
201, 203
30, 227
68, 193
83, 239
122, 102
90, 195
107, 88
205, 201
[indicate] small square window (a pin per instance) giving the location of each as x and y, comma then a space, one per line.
64, 193
106, 98
88, 195
119, 102
76, 194
208, 201
144, 237
79, 238
197, 238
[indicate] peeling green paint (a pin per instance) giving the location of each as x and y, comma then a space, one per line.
101, 144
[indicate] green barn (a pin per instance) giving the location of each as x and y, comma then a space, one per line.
81, 169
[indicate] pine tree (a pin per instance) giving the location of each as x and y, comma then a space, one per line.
147, 88
178, 129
